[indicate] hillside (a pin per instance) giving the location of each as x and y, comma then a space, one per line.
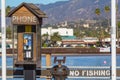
73, 10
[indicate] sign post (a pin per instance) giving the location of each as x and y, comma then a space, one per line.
113, 38
3, 28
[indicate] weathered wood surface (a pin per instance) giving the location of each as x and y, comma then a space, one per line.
23, 15
69, 51
20, 46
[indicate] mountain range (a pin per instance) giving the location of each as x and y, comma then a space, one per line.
73, 10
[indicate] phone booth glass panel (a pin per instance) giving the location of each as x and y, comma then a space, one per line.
28, 46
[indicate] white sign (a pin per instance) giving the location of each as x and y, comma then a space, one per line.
89, 73
104, 49
24, 19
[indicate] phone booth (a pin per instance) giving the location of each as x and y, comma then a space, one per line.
26, 22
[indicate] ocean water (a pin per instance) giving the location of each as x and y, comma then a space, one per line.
76, 61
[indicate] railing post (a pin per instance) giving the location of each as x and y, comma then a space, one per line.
48, 63
3, 32
113, 38
48, 60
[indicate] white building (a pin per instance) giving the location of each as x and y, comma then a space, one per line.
61, 31
86, 25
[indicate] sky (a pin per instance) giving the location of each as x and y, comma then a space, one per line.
17, 2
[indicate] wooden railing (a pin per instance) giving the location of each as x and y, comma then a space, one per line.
68, 51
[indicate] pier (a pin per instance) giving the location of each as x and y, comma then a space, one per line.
27, 57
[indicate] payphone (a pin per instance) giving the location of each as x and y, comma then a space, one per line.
28, 49
26, 22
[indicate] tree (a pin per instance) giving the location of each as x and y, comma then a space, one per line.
8, 33
55, 37
98, 12
44, 39
118, 27
8, 8
45, 36
78, 33
107, 10
8, 29
119, 24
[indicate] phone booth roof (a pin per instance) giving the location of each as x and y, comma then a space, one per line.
26, 13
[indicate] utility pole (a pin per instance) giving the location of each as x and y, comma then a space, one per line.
3, 29
113, 39
117, 12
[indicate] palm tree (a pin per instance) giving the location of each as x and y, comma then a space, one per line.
107, 10
98, 12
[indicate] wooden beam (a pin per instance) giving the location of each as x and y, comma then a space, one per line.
48, 60
64, 51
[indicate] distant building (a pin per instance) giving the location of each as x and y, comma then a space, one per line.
63, 24
91, 21
61, 31
86, 40
86, 25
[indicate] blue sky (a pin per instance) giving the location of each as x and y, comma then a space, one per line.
17, 2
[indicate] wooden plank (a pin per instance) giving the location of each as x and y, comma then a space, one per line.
34, 47
71, 50
38, 54
20, 46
